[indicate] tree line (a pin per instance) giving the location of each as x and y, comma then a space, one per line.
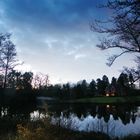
38, 84
121, 86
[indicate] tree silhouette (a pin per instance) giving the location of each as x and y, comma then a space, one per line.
7, 56
14, 79
92, 87
131, 80
1, 80
100, 89
40, 81
66, 90
134, 72
27, 80
123, 84
124, 30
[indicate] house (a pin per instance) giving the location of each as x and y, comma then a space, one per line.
110, 91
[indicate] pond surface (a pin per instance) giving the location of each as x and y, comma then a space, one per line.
114, 120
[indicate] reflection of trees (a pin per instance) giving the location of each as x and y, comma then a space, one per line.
13, 114
125, 112
17, 112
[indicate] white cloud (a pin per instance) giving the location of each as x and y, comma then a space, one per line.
72, 52
79, 56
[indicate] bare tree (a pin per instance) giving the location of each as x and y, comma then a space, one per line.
40, 81
134, 71
7, 56
122, 29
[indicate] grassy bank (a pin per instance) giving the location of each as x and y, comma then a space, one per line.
45, 131
108, 100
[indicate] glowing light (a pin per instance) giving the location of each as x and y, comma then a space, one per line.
107, 94
108, 106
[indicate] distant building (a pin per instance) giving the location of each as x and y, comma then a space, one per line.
110, 91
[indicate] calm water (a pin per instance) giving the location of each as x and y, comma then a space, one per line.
115, 120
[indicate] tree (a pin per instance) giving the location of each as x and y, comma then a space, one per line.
131, 80
14, 79
114, 82
1, 81
113, 86
100, 89
84, 86
27, 80
7, 56
40, 81
92, 87
105, 80
123, 84
134, 72
124, 30
102, 85
81, 89
105, 83
66, 90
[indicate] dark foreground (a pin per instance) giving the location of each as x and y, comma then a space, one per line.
16, 124
43, 130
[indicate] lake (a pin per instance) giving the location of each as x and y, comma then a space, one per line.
114, 120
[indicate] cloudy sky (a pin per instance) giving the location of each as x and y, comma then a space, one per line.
54, 37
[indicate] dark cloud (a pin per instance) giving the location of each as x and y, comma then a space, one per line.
53, 36
54, 14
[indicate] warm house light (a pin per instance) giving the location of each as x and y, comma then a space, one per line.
107, 94
112, 94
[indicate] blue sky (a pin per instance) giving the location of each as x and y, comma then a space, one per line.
54, 37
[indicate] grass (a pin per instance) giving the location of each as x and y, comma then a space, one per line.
37, 131
107, 100
45, 131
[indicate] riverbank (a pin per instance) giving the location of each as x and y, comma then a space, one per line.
107, 100
43, 130
39, 130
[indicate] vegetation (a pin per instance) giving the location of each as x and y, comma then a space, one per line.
122, 86
108, 100
7, 56
42, 131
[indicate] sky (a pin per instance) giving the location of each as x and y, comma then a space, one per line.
54, 37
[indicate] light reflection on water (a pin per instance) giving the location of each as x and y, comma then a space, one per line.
126, 122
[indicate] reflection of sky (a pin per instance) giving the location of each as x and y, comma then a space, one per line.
114, 128
53, 36
127, 122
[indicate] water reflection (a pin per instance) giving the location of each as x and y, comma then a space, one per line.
125, 112
16, 113
115, 120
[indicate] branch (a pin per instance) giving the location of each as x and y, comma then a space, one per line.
114, 57
107, 44
135, 72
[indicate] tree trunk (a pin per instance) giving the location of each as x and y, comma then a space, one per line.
5, 78
5, 75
